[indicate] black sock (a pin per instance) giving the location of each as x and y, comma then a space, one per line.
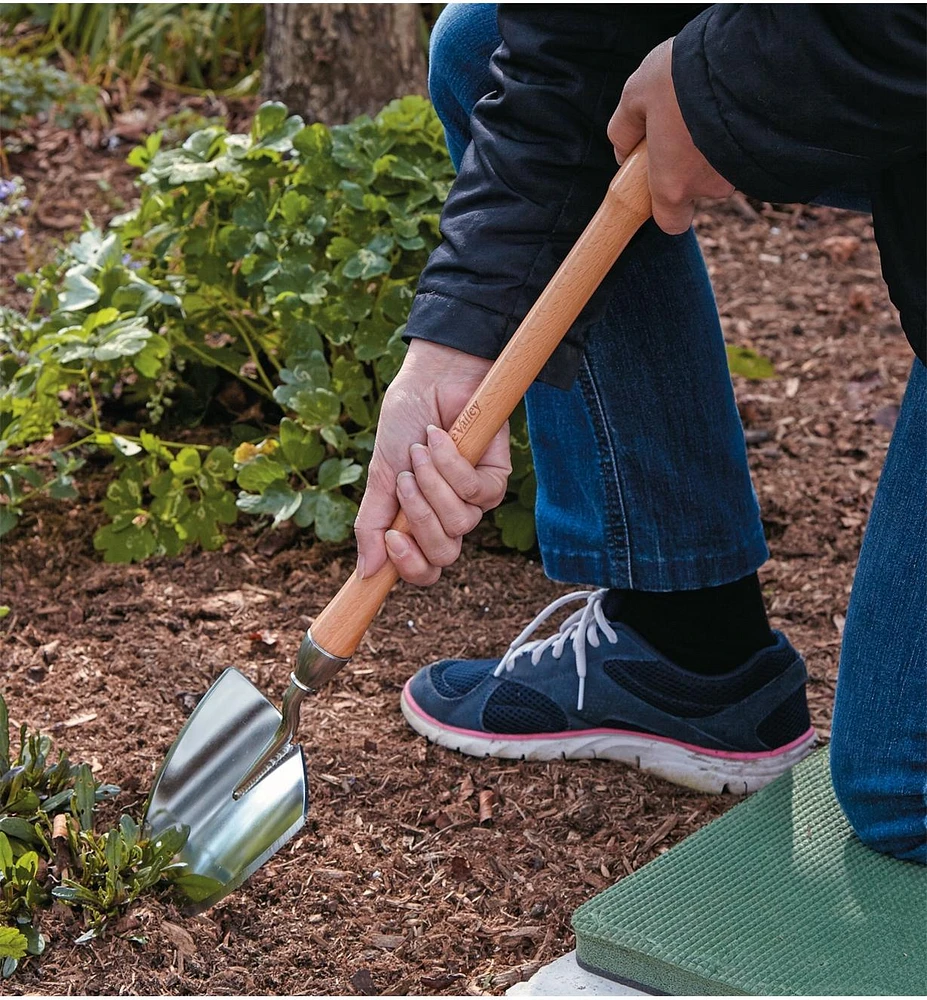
708, 631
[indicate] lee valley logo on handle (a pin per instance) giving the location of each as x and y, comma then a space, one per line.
465, 419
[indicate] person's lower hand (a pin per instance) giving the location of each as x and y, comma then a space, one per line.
416, 464
678, 172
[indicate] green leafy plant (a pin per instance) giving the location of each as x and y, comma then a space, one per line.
32, 87
117, 867
199, 44
284, 260
50, 850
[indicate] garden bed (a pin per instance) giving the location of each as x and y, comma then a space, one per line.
395, 885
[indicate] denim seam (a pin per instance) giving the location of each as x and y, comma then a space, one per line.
615, 507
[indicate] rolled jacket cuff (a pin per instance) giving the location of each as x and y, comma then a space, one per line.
473, 329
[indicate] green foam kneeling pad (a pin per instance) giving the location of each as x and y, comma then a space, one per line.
777, 897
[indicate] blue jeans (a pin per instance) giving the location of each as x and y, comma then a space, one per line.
643, 482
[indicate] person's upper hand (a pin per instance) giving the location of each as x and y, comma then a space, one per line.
679, 174
416, 464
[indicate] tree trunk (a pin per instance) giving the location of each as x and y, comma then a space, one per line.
331, 62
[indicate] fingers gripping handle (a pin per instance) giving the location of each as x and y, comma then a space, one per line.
341, 626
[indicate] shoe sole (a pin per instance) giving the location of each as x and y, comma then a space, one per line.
712, 771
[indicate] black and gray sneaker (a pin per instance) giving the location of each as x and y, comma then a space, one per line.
597, 689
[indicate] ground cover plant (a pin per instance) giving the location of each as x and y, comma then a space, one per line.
284, 260
50, 850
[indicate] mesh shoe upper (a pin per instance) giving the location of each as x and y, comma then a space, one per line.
624, 684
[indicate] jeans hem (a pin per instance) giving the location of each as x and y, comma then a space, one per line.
594, 568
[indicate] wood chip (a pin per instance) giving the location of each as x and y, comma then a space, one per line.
75, 720
664, 828
388, 942
487, 799
49, 651
524, 932
362, 981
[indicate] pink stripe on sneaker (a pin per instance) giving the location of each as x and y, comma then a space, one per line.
725, 754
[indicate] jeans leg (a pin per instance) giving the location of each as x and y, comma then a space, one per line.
879, 747
642, 469
462, 41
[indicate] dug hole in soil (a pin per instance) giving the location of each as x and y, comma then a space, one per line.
395, 885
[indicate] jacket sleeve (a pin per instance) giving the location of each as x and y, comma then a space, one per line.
535, 172
789, 100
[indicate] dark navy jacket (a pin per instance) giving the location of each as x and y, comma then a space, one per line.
786, 101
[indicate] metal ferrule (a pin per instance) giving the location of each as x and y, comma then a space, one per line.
315, 667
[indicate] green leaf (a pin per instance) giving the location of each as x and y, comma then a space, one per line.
79, 292
335, 472
314, 407
749, 364
516, 523
301, 448
279, 500
340, 248
258, 473
35, 942
334, 517
154, 446
128, 544
84, 796
187, 463
21, 829
13, 944
9, 518
6, 853
366, 264
131, 831
251, 214
269, 116
294, 207
305, 515
220, 465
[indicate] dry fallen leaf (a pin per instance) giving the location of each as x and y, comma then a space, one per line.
265, 636
180, 938
840, 249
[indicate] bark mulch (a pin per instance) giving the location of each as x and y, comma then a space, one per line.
397, 885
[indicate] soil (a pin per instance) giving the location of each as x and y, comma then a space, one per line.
396, 885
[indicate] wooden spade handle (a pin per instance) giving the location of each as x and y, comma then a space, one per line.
341, 626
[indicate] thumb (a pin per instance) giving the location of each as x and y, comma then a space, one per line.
627, 127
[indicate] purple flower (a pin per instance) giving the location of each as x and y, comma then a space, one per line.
6, 189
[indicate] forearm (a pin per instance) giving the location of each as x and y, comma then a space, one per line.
535, 172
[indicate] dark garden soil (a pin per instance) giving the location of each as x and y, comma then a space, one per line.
395, 885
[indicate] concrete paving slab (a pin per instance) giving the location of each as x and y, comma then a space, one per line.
564, 978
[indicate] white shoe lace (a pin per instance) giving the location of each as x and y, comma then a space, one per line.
581, 627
